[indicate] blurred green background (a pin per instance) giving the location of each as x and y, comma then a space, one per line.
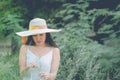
89, 40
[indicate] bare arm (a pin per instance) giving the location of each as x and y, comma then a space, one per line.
55, 63
22, 59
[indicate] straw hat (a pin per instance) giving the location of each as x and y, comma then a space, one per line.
37, 26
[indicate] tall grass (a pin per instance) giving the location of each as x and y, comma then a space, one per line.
9, 68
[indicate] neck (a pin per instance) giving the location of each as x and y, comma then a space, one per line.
41, 46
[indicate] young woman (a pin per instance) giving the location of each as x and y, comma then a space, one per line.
39, 57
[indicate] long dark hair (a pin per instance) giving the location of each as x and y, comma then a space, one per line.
48, 40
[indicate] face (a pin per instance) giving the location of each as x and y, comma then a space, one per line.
39, 39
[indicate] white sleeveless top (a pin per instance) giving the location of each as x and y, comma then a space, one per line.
44, 63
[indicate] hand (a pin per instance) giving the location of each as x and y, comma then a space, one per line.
46, 76
33, 65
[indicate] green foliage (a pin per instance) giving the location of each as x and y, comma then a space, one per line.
9, 67
82, 58
9, 25
10, 22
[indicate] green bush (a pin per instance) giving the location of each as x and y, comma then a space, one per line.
9, 67
81, 57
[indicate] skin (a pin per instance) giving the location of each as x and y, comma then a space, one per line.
40, 47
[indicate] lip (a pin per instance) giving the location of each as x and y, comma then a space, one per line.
39, 41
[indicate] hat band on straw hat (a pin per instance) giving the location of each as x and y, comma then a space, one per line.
37, 27
34, 27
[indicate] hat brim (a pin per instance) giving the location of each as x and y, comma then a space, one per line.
38, 31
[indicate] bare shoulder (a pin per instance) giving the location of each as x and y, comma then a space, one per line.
23, 48
56, 51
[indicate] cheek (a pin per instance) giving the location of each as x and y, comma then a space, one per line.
44, 37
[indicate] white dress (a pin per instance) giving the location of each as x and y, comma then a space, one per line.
44, 63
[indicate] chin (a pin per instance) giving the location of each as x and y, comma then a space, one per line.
40, 44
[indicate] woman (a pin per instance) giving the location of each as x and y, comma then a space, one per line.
39, 57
